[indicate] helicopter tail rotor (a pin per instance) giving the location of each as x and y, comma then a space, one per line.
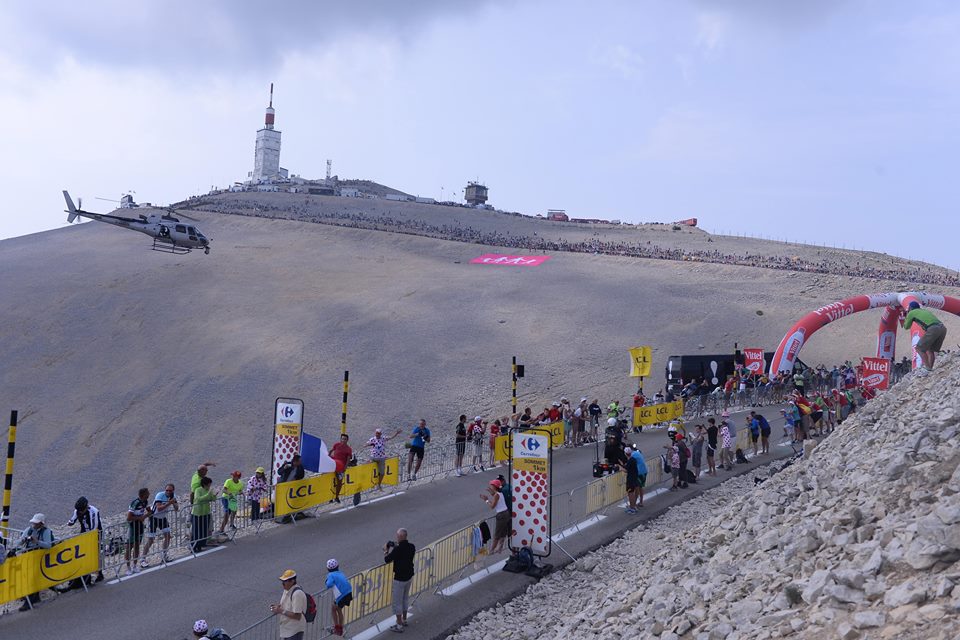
71, 210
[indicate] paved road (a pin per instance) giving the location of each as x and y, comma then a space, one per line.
232, 587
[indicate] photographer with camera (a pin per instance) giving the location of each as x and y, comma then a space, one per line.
36, 536
401, 555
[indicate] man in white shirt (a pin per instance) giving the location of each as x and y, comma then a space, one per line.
291, 608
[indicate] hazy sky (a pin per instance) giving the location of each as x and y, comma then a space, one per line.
819, 120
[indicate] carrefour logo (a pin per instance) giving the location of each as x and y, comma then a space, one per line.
58, 564
530, 444
287, 411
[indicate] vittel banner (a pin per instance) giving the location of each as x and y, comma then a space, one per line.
753, 360
876, 373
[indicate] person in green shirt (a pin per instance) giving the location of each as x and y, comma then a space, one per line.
200, 514
198, 475
933, 336
232, 488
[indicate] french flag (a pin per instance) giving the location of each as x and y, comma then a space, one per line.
315, 456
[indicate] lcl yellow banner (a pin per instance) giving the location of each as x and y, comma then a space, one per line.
654, 413
316, 490
501, 451
45, 568
640, 359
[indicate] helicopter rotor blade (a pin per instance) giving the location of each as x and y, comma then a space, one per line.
176, 212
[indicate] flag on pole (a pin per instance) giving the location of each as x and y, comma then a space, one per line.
315, 456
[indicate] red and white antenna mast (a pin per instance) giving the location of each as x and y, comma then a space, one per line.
269, 117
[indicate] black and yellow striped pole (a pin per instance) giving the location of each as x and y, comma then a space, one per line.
513, 370
343, 407
8, 480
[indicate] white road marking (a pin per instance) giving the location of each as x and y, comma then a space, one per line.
386, 497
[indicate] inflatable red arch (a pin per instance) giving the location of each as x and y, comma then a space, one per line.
892, 303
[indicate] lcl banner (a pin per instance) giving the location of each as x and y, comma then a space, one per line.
287, 433
34, 571
753, 361
299, 495
876, 373
657, 413
640, 358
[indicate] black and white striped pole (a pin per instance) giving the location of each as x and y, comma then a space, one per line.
8, 479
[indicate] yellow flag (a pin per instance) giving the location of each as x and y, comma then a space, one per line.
640, 358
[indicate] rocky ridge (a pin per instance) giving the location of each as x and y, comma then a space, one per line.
860, 540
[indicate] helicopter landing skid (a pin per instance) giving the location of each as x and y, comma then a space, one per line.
165, 247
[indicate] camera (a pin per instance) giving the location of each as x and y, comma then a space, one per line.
391, 544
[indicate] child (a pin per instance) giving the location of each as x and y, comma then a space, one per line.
342, 594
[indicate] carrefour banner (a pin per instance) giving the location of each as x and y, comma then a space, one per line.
34, 571
640, 358
501, 450
530, 478
656, 413
876, 373
287, 433
300, 495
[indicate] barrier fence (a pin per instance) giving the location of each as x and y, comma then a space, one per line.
449, 557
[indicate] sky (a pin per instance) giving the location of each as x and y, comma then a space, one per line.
826, 121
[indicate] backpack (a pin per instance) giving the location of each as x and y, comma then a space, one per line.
525, 558
311, 613
507, 494
665, 463
218, 634
741, 459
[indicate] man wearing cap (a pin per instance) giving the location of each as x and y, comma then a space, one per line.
340, 454
36, 536
164, 506
292, 606
495, 501
232, 488
200, 629
342, 594
933, 334
257, 490
378, 453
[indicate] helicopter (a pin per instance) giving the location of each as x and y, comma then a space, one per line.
168, 232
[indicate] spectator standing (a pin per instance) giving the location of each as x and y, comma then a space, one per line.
164, 506
495, 429
401, 555
526, 419
495, 500
138, 511
754, 426
291, 608
198, 475
418, 443
632, 481
712, 434
696, 447
36, 536
477, 430
637, 456
340, 454
684, 452
257, 490
232, 489
934, 334
291, 470
566, 414
200, 514
764, 425
673, 450
726, 443
595, 411
89, 518
378, 453
342, 594
798, 381
460, 442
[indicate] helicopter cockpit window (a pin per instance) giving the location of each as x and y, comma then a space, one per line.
181, 228
192, 231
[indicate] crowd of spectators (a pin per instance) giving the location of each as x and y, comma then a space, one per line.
465, 233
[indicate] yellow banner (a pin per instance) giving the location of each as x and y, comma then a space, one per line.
289, 430
655, 413
535, 465
501, 451
640, 359
45, 568
316, 490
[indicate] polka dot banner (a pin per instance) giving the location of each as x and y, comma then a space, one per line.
287, 432
530, 483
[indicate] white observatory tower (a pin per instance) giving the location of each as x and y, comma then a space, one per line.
266, 157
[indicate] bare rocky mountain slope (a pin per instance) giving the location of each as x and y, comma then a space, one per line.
130, 366
860, 540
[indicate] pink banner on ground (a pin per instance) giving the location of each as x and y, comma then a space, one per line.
516, 261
